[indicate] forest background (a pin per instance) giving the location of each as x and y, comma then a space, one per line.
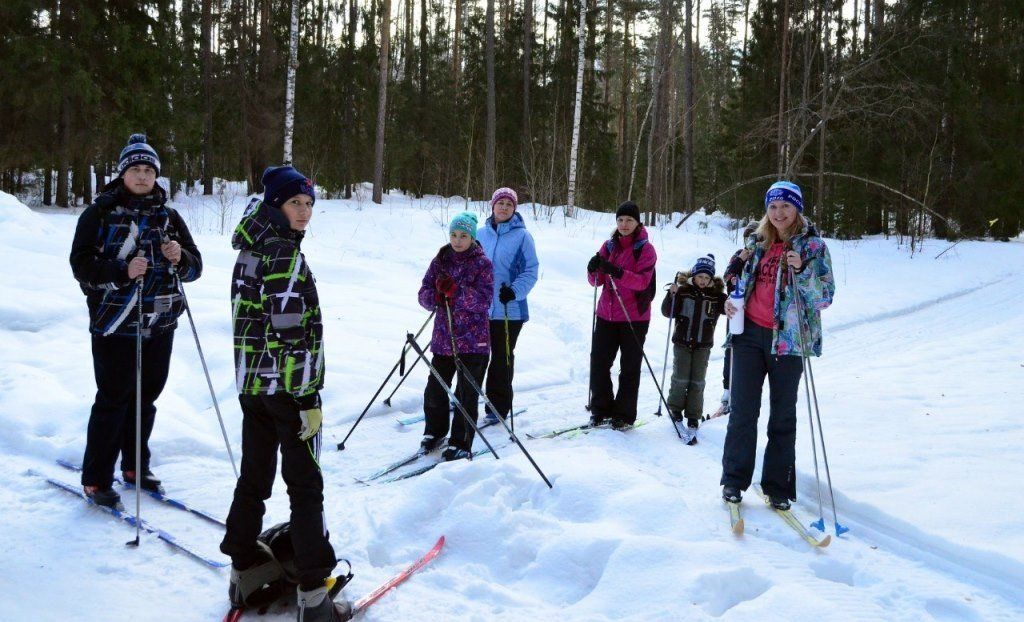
902, 118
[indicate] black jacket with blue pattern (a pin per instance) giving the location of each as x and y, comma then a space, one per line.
278, 332
117, 227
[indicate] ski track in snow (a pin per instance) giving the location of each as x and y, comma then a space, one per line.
921, 366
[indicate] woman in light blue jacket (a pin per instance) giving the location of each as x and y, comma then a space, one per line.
510, 248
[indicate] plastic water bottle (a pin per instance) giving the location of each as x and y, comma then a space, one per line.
736, 298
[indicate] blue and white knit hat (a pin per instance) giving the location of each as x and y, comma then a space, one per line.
465, 221
137, 151
785, 191
704, 265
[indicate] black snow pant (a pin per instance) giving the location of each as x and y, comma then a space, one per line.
270, 422
752, 361
499, 374
726, 368
437, 407
112, 420
609, 339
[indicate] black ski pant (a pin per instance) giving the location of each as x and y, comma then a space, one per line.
726, 368
752, 361
609, 339
437, 407
112, 420
269, 423
500, 373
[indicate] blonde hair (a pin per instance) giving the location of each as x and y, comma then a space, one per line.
767, 234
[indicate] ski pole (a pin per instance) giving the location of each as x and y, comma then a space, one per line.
668, 340
405, 348
476, 387
508, 372
209, 382
654, 377
202, 359
138, 409
451, 394
808, 386
593, 331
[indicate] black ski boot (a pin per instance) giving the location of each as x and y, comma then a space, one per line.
317, 606
454, 453
620, 424
779, 503
149, 481
107, 497
676, 415
731, 494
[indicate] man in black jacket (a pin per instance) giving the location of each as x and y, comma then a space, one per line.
127, 243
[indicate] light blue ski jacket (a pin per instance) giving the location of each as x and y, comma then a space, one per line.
511, 250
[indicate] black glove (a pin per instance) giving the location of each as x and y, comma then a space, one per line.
309, 401
594, 262
611, 269
505, 294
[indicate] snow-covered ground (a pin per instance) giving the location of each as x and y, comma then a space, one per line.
920, 389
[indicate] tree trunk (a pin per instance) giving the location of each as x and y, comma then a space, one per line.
657, 138
48, 186
289, 92
457, 45
783, 73
746, 26
205, 46
570, 210
688, 146
491, 130
527, 60
63, 151
818, 209
382, 103
346, 162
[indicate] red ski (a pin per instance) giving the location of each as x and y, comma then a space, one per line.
360, 605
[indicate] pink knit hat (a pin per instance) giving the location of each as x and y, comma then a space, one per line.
505, 193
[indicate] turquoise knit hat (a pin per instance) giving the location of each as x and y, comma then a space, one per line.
466, 221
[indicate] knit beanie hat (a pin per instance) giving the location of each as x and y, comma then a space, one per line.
630, 209
785, 191
704, 265
466, 221
505, 193
281, 183
137, 151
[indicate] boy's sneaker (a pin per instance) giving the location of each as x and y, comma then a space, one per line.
690, 433
316, 606
430, 443
731, 494
779, 503
149, 481
107, 497
454, 453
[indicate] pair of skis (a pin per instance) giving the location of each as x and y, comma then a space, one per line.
736, 521
235, 614
486, 424
586, 428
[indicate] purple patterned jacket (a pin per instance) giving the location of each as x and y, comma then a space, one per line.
472, 272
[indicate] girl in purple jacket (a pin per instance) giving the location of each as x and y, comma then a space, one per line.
627, 259
459, 285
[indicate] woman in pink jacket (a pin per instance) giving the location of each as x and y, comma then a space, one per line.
625, 267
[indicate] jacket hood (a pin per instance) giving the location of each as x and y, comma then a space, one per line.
685, 279
261, 223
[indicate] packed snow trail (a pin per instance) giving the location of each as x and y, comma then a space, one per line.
918, 388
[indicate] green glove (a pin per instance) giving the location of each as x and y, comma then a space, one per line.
311, 420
